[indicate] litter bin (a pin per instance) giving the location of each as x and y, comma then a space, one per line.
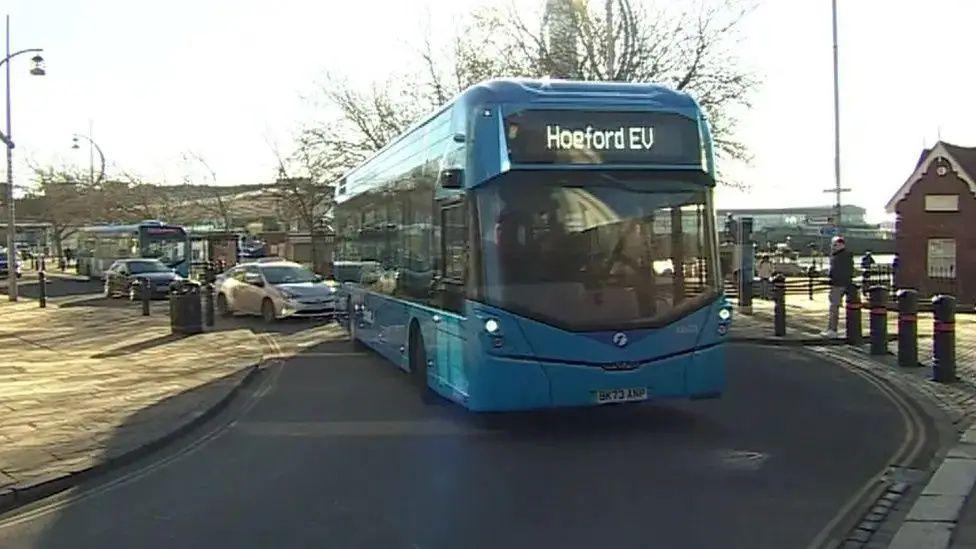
184, 308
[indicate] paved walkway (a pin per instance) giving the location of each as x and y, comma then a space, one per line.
81, 386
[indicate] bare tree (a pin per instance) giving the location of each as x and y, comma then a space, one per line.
692, 50
304, 190
219, 207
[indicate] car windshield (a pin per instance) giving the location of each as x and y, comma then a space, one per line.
626, 250
287, 274
143, 267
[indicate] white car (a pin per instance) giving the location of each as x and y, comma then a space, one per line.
274, 290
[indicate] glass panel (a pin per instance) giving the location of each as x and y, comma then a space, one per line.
455, 242
596, 250
287, 275
942, 258
143, 267
170, 252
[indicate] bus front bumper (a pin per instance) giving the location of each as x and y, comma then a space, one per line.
520, 384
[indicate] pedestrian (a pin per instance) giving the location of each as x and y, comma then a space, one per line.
841, 274
765, 272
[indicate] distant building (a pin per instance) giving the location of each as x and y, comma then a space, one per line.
935, 208
817, 216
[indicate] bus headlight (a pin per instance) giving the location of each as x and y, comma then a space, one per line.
724, 314
492, 326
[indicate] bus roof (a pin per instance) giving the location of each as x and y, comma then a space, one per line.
537, 93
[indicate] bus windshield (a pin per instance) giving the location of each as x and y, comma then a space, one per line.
170, 251
596, 250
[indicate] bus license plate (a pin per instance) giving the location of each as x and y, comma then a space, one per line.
632, 394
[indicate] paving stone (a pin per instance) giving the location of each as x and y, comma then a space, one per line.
875, 517
955, 477
936, 508
860, 535
869, 525
922, 535
963, 451
899, 487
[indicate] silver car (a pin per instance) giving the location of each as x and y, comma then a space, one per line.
274, 290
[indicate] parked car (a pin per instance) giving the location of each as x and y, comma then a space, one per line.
125, 275
3, 264
274, 290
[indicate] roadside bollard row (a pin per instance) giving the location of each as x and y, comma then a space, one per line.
943, 339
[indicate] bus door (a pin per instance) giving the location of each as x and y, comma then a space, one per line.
449, 291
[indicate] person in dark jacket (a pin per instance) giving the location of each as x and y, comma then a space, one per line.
841, 273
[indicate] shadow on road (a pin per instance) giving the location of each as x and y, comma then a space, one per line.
125, 449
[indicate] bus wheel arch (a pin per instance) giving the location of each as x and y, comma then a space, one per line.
417, 353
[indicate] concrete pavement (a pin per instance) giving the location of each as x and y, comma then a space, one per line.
72, 378
334, 448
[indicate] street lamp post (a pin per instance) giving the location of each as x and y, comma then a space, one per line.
37, 70
91, 160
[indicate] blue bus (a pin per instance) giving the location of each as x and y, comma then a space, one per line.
99, 246
542, 244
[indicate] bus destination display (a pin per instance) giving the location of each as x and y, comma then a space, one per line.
587, 137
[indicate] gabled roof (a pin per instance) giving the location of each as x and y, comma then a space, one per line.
962, 160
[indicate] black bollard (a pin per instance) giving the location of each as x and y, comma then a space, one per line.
779, 304
907, 328
810, 273
42, 291
853, 315
144, 294
878, 301
208, 304
944, 339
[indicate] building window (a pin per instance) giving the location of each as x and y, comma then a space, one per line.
942, 258
942, 202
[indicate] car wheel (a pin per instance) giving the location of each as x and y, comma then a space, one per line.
223, 309
267, 311
418, 366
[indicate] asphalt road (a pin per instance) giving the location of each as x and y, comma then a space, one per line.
335, 449
55, 287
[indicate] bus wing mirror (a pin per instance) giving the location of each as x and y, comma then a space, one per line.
451, 178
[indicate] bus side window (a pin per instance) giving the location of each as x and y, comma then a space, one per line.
454, 255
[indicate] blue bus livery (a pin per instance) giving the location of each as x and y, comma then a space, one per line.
100, 246
542, 243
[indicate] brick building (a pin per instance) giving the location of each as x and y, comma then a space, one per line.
935, 232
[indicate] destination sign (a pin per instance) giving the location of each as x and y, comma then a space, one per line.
601, 137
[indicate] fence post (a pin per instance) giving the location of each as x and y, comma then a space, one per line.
907, 328
779, 305
42, 292
878, 301
944, 338
853, 315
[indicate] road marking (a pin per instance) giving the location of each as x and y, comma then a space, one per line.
408, 428
906, 452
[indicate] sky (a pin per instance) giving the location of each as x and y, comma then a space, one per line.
224, 79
